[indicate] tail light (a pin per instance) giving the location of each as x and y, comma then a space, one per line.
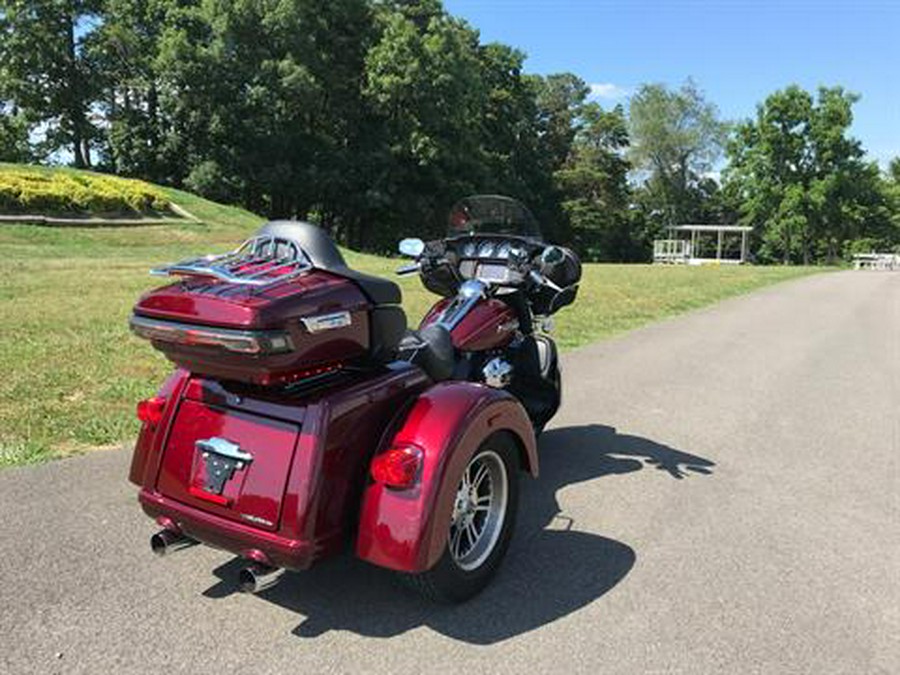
151, 410
398, 467
254, 342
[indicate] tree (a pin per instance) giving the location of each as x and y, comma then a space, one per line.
892, 196
14, 136
803, 182
560, 98
370, 117
594, 185
46, 74
260, 103
423, 81
124, 49
894, 170
508, 121
676, 138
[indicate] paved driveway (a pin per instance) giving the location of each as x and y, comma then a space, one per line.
720, 493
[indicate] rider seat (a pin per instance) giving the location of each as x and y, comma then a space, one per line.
430, 348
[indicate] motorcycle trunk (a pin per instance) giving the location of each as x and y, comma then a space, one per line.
261, 336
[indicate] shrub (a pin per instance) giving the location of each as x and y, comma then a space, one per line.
46, 192
209, 180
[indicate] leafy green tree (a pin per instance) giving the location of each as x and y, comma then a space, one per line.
894, 170
45, 72
423, 80
892, 197
803, 182
508, 125
560, 98
370, 116
14, 136
124, 49
594, 185
676, 138
261, 101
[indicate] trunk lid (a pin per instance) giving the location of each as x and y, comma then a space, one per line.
231, 463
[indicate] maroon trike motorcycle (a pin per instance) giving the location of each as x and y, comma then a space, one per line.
303, 417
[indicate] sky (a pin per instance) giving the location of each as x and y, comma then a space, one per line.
738, 52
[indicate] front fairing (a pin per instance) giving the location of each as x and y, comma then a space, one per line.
492, 215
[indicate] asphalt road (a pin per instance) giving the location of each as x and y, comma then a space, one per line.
720, 494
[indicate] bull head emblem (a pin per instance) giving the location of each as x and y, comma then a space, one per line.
222, 458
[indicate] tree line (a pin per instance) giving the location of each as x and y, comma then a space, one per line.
373, 116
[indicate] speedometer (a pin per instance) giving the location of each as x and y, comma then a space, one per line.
486, 250
468, 249
503, 250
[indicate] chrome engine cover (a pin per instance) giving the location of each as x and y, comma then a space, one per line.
497, 373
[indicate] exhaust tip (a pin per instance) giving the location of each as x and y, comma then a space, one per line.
257, 578
158, 543
167, 541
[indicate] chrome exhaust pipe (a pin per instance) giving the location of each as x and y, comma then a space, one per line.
255, 578
167, 541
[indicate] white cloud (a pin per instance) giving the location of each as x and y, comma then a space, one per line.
608, 90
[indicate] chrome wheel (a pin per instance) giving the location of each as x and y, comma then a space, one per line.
478, 510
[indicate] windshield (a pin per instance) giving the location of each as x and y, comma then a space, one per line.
492, 214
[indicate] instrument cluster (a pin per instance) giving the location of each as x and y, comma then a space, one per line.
487, 249
486, 259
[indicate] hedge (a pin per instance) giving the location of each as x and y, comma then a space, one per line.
47, 192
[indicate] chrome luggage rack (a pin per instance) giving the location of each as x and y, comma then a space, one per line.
259, 261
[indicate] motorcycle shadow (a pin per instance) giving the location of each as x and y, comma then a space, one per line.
552, 569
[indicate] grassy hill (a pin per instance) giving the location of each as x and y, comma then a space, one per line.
73, 372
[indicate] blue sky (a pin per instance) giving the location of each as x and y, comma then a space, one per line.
737, 51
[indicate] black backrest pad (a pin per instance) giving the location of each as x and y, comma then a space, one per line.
314, 241
324, 254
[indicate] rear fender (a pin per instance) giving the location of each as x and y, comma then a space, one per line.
406, 529
148, 445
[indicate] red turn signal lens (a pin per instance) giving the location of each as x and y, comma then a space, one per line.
398, 467
151, 410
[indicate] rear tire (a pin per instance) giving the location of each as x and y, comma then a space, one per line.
482, 524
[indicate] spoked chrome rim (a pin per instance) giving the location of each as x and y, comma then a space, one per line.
478, 510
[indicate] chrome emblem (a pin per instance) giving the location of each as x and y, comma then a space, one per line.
508, 326
316, 324
222, 458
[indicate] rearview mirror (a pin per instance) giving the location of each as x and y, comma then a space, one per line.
552, 255
412, 247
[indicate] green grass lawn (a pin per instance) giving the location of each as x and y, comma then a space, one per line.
73, 372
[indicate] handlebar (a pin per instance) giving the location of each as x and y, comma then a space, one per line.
408, 269
541, 280
528, 266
